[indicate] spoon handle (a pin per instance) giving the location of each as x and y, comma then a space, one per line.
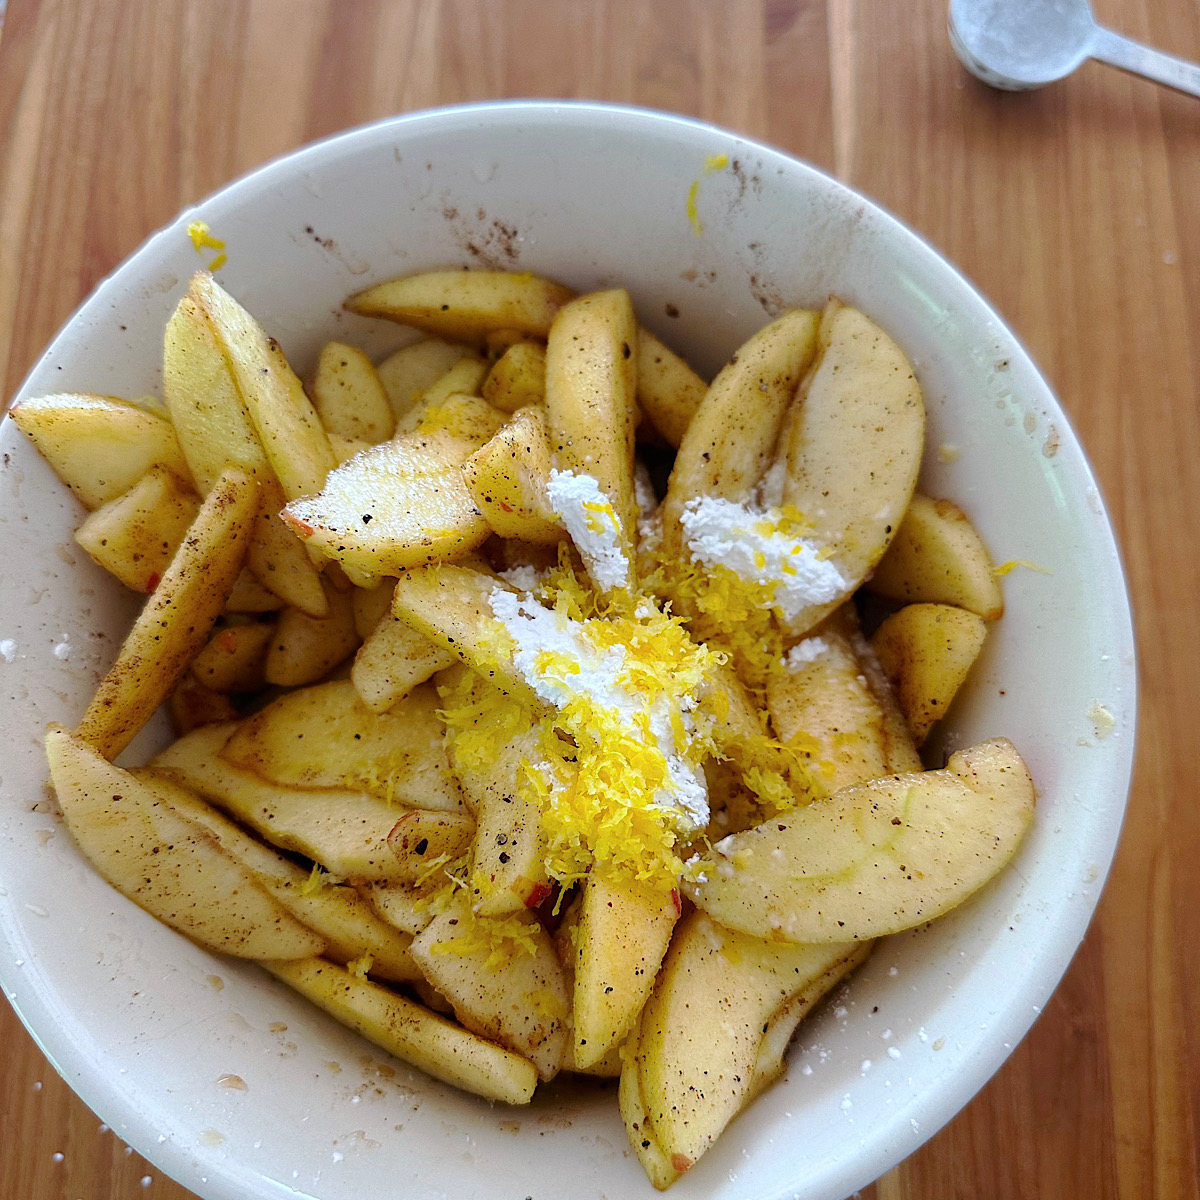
1132, 56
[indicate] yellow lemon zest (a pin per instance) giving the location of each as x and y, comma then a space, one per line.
359, 967
202, 238
692, 215
1013, 564
716, 162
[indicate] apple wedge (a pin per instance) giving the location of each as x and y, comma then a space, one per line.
591, 389
400, 504
829, 692
697, 1055
393, 660
730, 441
287, 425
508, 476
876, 858
98, 446
176, 620
411, 1032
422, 841
305, 648
347, 922
346, 832
135, 536
409, 371
508, 871
669, 392
325, 737
349, 396
937, 557
165, 862
465, 305
201, 394
451, 606
623, 933
517, 377
513, 994
852, 446
927, 651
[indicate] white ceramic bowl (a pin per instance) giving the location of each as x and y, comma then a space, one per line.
144, 1025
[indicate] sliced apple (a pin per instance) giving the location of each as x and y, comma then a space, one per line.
408, 372
349, 396
937, 557
304, 648
344, 831
591, 389
825, 693
465, 305
927, 651
202, 396
731, 440
176, 620
876, 858
853, 446
669, 392
411, 1032
234, 659
325, 737
507, 478
507, 866
697, 1050
283, 416
517, 377
398, 505
98, 446
277, 558
420, 838
135, 536
165, 862
393, 661
510, 992
624, 930
350, 926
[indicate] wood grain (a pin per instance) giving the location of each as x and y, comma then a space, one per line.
1076, 210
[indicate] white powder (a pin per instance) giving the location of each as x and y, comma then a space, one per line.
62, 650
650, 528
524, 577
8, 650
594, 527
805, 652
723, 533
600, 677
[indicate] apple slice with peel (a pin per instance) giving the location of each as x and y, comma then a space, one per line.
696, 1051
165, 862
875, 858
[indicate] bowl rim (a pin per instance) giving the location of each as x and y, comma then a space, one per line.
887, 1142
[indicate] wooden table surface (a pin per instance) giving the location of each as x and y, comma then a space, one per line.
1075, 209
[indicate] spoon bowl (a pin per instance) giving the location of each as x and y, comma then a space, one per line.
1016, 45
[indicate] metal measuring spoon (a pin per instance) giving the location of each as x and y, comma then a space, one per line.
1020, 44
